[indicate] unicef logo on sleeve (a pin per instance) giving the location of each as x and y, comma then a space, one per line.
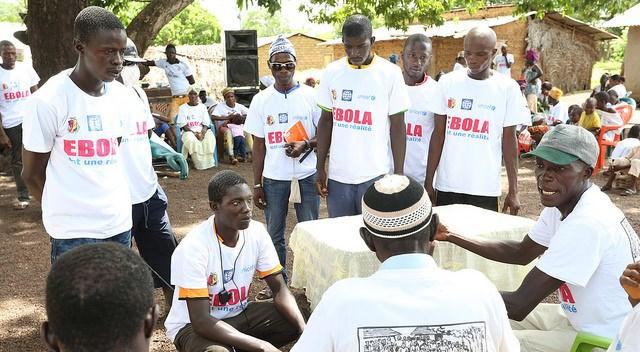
347, 94
467, 104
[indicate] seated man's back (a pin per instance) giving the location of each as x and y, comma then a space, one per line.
409, 300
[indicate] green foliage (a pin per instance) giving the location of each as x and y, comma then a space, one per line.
265, 23
195, 25
10, 10
401, 13
586, 10
616, 48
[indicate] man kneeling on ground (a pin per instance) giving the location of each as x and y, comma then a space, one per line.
409, 303
583, 240
212, 269
100, 299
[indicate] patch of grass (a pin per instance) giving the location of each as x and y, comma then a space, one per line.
602, 67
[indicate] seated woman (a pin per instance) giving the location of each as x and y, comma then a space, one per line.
223, 114
608, 116
197, 139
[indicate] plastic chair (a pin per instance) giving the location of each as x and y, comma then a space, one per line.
629, 101
586, 342
626, 112
215, 147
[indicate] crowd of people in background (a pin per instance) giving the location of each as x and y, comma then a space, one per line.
375, 139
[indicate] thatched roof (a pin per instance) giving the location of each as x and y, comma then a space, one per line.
631, 17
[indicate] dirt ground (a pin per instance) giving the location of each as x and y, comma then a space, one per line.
24, 248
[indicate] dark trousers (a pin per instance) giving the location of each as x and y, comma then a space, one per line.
448, 198
154, 236
15, 136
260, 320
239, 147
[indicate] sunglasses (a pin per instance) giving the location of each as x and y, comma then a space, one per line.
128, 63
289, 66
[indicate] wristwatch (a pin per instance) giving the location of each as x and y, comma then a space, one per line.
256, 186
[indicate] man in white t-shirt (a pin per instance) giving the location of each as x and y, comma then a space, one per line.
213, 268
151, 227
628, 339
230, 111
583, 240
363, 98
558, 111
17, 82
72, 130
625, 158
416, 56
178, 74
504, 61
476, 116
409, 299
283, 169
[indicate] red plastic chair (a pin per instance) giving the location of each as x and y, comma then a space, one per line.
626, 112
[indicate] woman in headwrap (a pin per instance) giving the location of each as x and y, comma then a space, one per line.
530, 74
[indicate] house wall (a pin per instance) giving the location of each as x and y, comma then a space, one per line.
631, 58
566, 56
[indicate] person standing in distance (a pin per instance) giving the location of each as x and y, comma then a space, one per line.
363, 98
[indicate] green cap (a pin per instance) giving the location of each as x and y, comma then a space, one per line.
555, 156
564, 144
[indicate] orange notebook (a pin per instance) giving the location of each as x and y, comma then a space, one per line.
296, 133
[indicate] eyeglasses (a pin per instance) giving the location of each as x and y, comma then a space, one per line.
128, 63
289, 66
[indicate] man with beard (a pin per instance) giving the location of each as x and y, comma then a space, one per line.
583, 240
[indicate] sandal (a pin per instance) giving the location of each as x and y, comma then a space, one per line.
628, 192
21, 205
234, 161
264, 295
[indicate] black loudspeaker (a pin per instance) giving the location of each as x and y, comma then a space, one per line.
242, 71
241, 52
245, 95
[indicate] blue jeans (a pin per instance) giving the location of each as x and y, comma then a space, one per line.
277, 197
239, 149
154, 236
60, 247
346, 199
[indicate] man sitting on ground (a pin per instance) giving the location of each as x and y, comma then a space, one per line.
197, 140
413, 299
583, 240
625, 159
212, 269
100, 299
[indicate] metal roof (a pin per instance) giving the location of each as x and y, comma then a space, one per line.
631, 17
460, 28
268, 40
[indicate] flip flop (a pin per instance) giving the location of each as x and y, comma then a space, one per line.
21, 205
628, 192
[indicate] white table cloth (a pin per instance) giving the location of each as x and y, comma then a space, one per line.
329, 250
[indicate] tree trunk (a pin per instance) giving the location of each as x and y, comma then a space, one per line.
148, 23
50, 34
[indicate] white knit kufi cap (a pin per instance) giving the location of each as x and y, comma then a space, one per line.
396, 206
281, 45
